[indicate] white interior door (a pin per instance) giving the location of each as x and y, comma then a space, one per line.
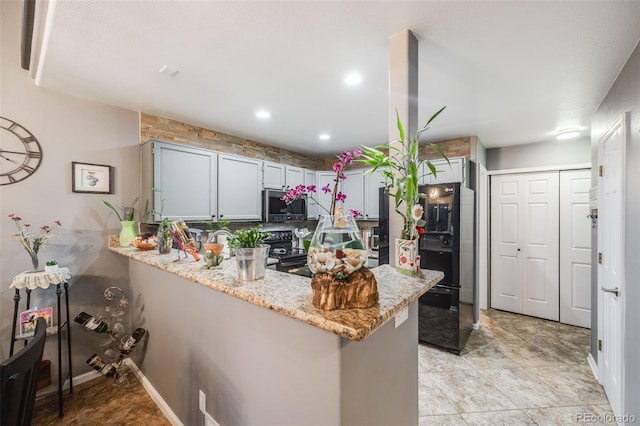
540, 245
575, 248
610, 266
506, 278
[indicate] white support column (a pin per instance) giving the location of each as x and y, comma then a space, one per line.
403, 97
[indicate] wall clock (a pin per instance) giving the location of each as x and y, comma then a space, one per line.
20, 152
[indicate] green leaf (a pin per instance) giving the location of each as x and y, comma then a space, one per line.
400, 126
434, 172
440, 152
109, 205
433, 117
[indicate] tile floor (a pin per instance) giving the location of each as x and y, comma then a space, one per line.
515, 370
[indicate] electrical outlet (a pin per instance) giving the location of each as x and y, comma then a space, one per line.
202, 401
402, 316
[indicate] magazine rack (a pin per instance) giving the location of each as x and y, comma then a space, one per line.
32, 280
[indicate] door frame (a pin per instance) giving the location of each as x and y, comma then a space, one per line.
621, 123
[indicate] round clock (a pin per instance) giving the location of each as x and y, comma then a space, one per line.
20, 152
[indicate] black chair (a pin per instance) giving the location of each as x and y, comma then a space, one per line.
19, 376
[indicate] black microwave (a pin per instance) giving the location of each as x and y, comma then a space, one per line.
274, 209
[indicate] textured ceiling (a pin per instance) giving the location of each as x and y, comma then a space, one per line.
508, 72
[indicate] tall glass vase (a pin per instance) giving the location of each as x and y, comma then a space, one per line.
336, 247
34, 259
128, 232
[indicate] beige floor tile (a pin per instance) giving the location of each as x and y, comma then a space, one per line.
432, 359
526, 354
592, 415
492, 418
524, 389
446, 420
433, 402
574, 382
470, 391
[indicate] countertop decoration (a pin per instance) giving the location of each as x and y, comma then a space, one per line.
250, 252
128, 224
337, 255
291, 295
400, 165
32, 243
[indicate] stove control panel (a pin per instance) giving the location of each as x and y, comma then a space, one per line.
280, 235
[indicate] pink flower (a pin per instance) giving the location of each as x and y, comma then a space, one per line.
357, 153
337, 167
326, 189
340, 196
45, 228
311, 188
57, 222
355, 213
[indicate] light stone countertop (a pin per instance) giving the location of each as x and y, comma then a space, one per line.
291, 295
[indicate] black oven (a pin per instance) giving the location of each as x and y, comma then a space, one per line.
274, 209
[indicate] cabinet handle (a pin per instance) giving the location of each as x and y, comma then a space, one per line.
213, 216
221, 215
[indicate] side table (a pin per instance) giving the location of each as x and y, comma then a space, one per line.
32, 280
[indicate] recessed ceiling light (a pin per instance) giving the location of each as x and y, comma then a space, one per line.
567, 134
353, 79
324, 136
263, 114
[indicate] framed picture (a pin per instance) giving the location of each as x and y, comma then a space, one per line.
91, 178
29, 318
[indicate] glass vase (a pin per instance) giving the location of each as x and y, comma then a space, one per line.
128, 232
336, 247
34, 259
165, 239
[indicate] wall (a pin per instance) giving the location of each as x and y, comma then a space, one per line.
152, 127
624, 96
68, 129
541, 154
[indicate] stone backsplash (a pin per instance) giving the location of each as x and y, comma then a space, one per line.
152, 127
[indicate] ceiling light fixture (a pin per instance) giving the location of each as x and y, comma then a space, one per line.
567, 134
263, 114
353, 79
324, 136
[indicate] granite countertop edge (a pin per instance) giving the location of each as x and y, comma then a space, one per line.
291, 295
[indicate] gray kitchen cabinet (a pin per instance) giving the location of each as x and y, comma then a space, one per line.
324, 200
274, 175
353, 188
458, 172
372, 183
293, 176
312, 207
186, 178
240, 188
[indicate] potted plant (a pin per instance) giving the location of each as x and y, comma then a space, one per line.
51, 266
401, 167
250, 251
128, 231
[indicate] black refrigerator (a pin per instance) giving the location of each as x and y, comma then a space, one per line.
446, 311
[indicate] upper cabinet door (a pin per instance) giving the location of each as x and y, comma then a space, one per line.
454, 171
324, 199
373, 182
312, 207
293, 176
353, 188
274, 175
195, 201
239, 193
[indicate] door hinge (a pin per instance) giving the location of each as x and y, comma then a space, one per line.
600, 258
599, 344
601, 170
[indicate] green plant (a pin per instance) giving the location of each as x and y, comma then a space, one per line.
221, 225
148, 211
248, 238
51, 262
130, 214
400, 167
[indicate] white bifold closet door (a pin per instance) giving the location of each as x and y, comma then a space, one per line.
525, 244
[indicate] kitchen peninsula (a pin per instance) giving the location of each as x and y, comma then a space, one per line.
263, 354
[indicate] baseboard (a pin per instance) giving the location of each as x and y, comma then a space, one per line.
593, 365
153, 393
77, 380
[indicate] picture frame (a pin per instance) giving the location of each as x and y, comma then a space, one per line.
28, 319
91, 178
